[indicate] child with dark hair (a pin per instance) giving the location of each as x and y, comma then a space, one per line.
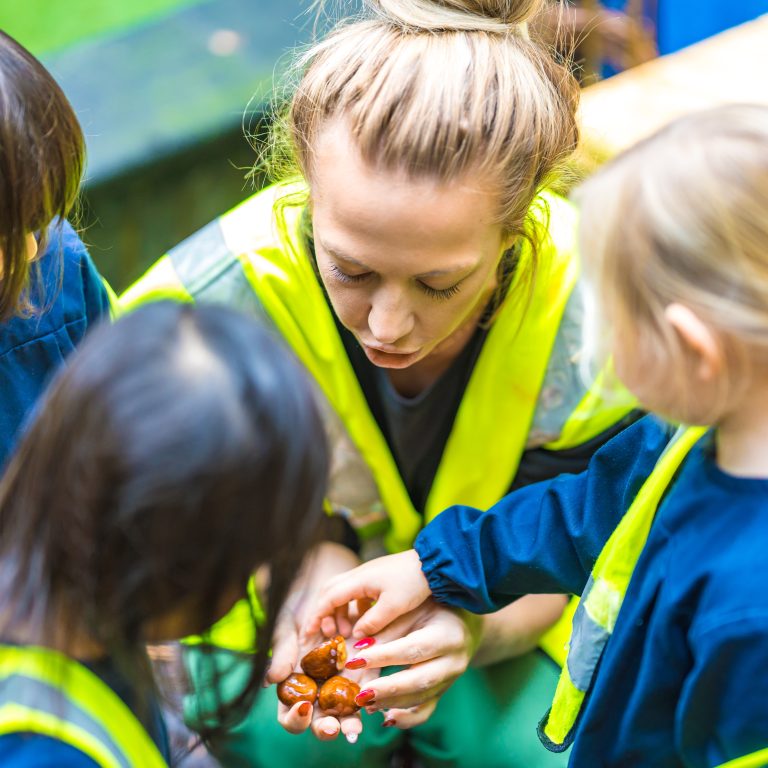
50, 292
179, 452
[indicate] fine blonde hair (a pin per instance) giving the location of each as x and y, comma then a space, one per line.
683, 217
438, 90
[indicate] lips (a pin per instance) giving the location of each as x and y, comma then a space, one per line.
389, 351
384, 359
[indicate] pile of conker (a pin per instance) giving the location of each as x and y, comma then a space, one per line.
335, 694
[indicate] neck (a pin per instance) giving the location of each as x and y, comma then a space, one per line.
742, 435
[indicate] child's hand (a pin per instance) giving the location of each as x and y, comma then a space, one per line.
396, 584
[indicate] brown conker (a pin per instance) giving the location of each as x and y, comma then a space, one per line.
337, 696
297, 687
326, 660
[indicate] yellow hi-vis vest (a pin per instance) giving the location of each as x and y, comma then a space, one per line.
47, 693
254, 258
595, 617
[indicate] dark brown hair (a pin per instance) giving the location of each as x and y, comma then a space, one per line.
180, 450
42, 157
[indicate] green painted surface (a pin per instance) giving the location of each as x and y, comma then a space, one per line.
49, 25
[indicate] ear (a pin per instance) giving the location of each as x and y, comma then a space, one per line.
698, 338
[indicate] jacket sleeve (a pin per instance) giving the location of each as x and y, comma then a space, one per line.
722, 714
542, 538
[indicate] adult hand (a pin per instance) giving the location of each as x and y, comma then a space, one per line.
383, 589
288, 647
435, 645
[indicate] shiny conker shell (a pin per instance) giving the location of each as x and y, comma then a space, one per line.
326, 660
337, 696
297, 687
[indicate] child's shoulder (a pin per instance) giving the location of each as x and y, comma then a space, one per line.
719, 540
66, 295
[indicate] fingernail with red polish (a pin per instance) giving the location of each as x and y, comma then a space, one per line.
356, 663
388, 723
366, 642
305, 709
365, 697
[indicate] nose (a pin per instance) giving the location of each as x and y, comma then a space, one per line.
390, 318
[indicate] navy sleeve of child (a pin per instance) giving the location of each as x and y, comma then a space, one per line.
542, 538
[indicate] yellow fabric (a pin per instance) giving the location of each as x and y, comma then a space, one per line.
163, 285
554, 642
15, 718
89, 693
613, 571
568, 699
755, 760
236, 630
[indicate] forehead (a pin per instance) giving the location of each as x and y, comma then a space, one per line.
369, 210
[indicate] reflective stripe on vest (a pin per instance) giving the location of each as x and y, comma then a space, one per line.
757, 759
44, 692
239, 261
595, 617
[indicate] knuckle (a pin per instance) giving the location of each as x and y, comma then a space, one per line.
426, 684
414, 654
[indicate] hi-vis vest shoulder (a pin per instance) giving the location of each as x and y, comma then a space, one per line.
525, 385
46, 693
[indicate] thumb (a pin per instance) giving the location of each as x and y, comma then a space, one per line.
382, 613
285, 654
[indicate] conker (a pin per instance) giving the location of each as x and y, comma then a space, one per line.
297, 687
326, 660
337, 696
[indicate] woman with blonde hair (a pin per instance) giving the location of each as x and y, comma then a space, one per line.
413, 257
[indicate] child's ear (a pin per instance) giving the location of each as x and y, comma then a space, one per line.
698, 338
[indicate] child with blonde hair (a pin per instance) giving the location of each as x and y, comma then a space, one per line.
664, 534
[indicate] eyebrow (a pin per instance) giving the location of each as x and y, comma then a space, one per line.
337, 254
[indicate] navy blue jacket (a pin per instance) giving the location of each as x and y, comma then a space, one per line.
684, 678
69, 297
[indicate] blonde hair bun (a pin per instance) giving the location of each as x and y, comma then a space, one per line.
464, 15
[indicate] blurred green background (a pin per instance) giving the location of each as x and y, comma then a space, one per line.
49, 25
160, 88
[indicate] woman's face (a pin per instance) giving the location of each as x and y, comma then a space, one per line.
408, 264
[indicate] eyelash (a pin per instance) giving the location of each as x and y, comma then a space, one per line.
434, 293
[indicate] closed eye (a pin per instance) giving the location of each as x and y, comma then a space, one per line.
440, 293
344, 277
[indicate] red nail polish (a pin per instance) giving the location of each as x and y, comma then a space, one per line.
366, 642
388, 723
365, 697
305, 708
356, 663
